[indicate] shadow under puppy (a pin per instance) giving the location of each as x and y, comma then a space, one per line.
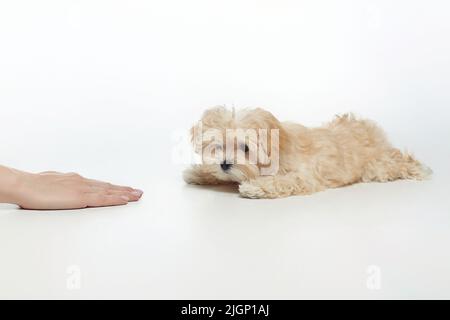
273, 159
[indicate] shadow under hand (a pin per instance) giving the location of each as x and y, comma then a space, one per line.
8, 207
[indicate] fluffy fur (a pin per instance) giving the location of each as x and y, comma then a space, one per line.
347, 150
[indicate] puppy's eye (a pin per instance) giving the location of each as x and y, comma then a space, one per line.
244, 148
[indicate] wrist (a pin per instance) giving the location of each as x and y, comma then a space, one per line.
12, 184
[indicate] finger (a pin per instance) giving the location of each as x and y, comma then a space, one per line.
107, 185
104, 200
134, 195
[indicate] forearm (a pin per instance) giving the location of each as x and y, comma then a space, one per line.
10, 182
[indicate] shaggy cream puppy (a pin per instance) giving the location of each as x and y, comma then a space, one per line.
280, 159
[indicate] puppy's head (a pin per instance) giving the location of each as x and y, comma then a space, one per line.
238, 146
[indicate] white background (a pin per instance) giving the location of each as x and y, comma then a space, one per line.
105, 88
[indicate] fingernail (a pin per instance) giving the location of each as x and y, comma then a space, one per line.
137, 192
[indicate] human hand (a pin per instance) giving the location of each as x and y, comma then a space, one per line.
53, 191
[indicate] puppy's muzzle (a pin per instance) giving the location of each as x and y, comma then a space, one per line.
225, 166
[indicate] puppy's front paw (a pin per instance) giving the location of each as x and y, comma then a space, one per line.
248, 190
190, 177
199, 174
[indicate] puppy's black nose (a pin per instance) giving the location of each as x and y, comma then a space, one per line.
225, 166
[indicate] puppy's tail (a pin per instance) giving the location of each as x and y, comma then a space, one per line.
393, 165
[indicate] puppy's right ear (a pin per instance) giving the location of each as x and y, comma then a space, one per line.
217, 118
196, 133
213, 120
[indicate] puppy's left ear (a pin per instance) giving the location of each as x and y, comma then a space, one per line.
275, 140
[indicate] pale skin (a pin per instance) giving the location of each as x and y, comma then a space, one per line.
58, 191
